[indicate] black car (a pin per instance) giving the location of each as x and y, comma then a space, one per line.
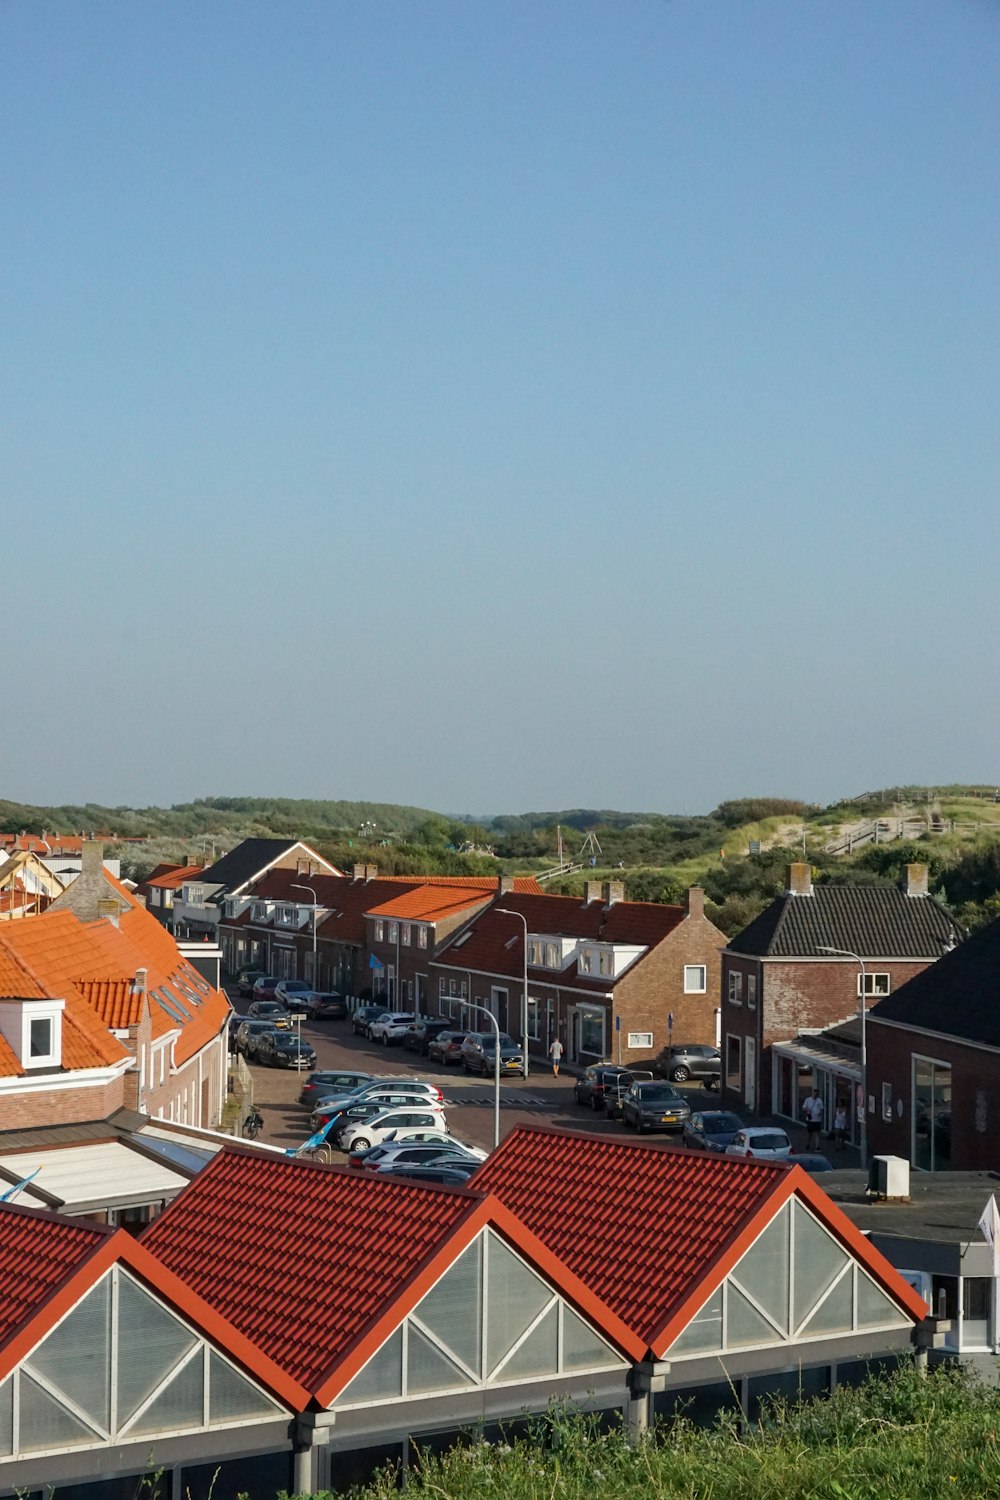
249, 1035
479, 1052
329, 1007
711, 1129
247, 978
450, 1174
283, 1049
364, 1016
328, 1081
655, 1106
613, 1099
271, 1011
601, 1079
419, 1035
694, 1060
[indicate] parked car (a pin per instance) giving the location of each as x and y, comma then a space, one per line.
421, 1032
446, 1047
712, 1129
264, 987
328, 1007
356, 1135
364, 1016
271, 1011
613, 1101
248, 1037
445, 1174
420, 1137
655, 1106
765, 1142
361, 1109
479, 1053
592, 1082
392, 1151
377, 1086
327, 1082
247, 978
295, 995
392, 1091
812, 1162
283, 1049
683, 1061
389, 1028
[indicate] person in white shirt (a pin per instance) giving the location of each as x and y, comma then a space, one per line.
813, 1112
555, 1053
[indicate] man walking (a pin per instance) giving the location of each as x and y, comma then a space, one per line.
555, 1053
813, 1112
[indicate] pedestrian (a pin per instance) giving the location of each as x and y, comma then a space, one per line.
813, 1112
555, 1053
840, 1124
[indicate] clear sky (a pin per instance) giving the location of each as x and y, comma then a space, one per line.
523, 404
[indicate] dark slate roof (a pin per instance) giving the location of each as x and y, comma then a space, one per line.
873, 921
959, 996
245, 861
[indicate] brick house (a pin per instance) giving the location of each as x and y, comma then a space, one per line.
100, 1011
198, 905
779, 985
934, 1062
161, 886
605, 975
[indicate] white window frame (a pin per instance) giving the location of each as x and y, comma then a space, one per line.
404, 934
735, 987
421, 937
701, 986
877, 985
751, 992
379, 930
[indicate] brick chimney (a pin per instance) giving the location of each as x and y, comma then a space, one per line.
695, 901
359, 872
591, 892
505, 885
371, 872
139, 982
89, 895
800, 879
915, 880
614, 891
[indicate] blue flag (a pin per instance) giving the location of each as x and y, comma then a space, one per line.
375, 963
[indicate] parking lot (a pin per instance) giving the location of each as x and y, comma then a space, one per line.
539, 1099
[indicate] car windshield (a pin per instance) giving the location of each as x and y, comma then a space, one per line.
721, 1124
489, 1042
295, 987
656, 1093
767, 1142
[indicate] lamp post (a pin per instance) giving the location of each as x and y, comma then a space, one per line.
863, 1112
496, 1070
506, 911
297, 887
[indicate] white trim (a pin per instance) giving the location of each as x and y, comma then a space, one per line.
942, 1036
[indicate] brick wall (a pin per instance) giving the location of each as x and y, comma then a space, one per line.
793, 995
647, 995
975, 1094
22, 1111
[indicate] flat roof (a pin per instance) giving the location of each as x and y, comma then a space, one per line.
105, 1174
944, 1206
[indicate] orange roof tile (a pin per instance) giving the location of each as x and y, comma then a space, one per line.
171, 877
428, 903
53, 1248
116, 1001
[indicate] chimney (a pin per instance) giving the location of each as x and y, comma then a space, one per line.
800, 879
89, 895
915, 880
371, 872
359, 872
139, 982
614, 891
505, 885
591, 892
695, 901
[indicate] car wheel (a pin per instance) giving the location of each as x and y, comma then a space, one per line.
680, 1074
360, 1143
466, 1067
385, 1039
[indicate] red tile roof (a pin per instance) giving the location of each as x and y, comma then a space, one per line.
38, 1251
650, 1230
493, 943
170, 877
429, 903
343, 1247
116, 1001
524, 885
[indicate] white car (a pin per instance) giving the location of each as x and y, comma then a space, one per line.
360, 1134
390, 1027
761, 1143
432, 1138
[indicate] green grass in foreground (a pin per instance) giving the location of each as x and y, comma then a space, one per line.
904, 1436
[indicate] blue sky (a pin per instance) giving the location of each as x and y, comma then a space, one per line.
499, 406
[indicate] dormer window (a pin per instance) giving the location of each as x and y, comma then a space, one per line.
33, 1031
534, 952
552, 955
259, 912
41, 1040
194, 895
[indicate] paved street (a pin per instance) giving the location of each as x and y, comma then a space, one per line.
539, 1099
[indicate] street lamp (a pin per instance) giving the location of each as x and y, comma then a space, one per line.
506, 912
496, 1070
297, 887
863, 1113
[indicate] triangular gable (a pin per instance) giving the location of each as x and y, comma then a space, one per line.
491, 1319
488, 1214
119, 1248
877, 1279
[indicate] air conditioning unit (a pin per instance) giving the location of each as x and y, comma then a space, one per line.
889, 1177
